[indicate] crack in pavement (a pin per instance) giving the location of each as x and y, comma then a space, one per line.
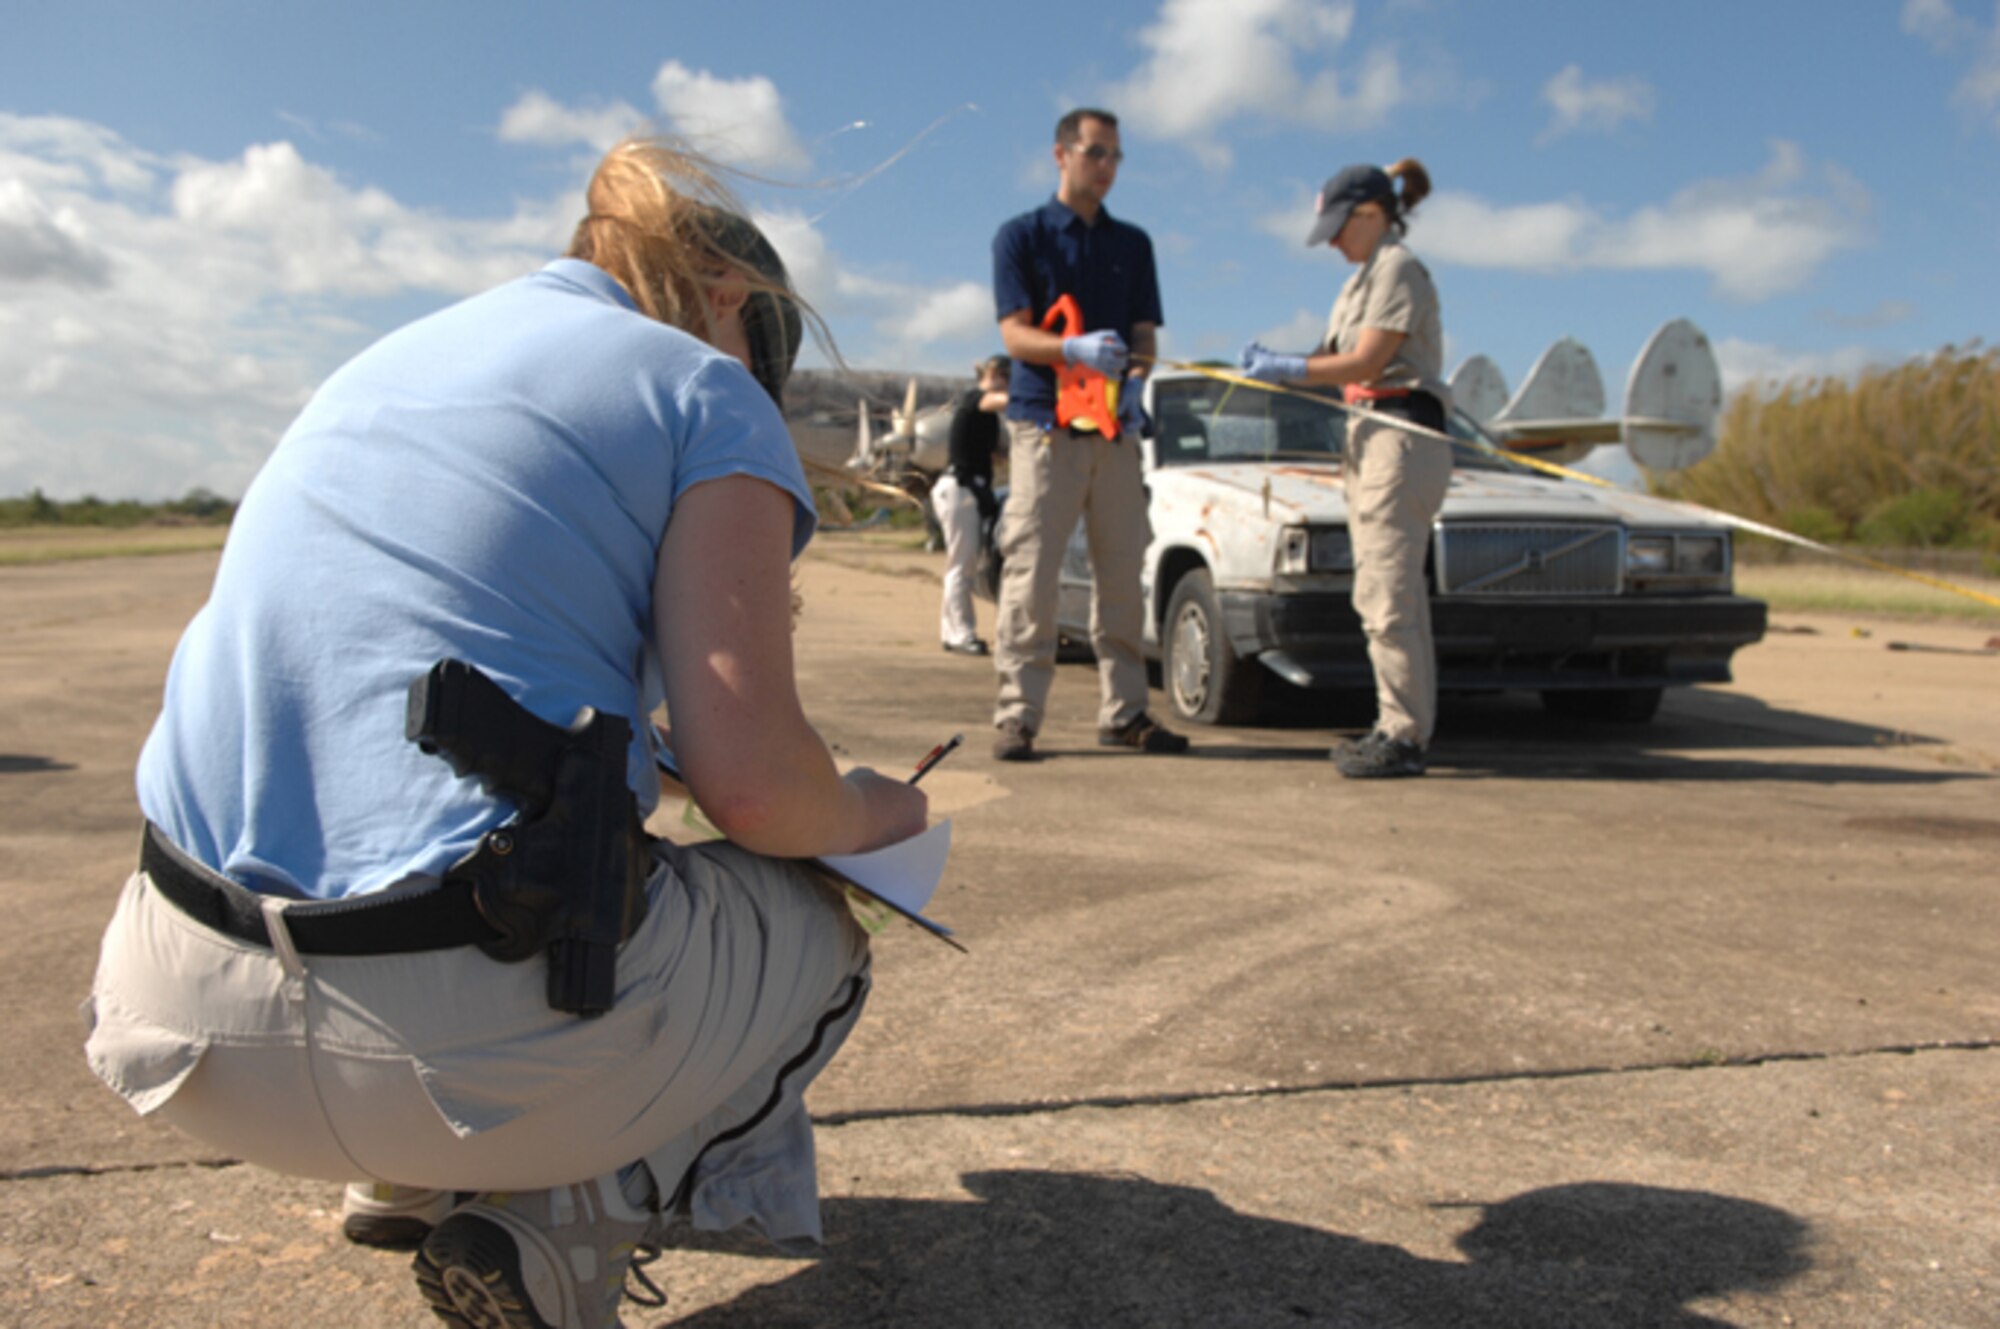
1031, 1108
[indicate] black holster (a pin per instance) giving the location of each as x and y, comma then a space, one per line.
567, 875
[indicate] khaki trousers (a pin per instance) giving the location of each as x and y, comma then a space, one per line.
1058, 476
446, 1069
1396, 483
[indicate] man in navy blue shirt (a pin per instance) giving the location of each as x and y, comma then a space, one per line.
1071, 246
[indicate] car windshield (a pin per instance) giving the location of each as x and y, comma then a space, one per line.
1201, 420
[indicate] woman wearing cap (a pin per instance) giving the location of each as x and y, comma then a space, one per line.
1384, 348
579, 483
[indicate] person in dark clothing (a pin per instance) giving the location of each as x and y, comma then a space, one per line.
963, 499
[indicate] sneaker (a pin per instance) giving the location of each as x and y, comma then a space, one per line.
1378, 757
374, 1213
554, 1259
1016, 742
972, 647
1142, 733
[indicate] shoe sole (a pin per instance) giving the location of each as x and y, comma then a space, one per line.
469, 1270
385, 1230
1379, 773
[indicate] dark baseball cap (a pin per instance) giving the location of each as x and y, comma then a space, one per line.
1356, 184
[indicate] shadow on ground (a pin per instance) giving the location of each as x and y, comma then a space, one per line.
16, 764
1058, 1249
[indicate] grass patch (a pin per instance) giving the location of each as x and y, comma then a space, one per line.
1826, 588
27, 545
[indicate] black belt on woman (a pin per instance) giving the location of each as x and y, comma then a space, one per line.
393, 922
1416, 406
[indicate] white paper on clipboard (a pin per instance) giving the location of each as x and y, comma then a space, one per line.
903, 876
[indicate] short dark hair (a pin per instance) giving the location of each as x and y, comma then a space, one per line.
1070, 128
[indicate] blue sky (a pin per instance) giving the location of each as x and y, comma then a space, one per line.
205, 207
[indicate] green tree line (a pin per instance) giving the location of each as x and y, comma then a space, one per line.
1907, 457
37, 509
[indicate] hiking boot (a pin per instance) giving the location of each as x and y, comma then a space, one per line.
1016, 742
1141, 733
554, 1259
1378, 757
374, 1213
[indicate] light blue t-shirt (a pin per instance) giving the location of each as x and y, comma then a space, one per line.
491, 483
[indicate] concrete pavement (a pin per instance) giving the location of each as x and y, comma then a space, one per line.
1691, 1024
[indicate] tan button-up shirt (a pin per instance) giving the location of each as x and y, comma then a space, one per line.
1393, 291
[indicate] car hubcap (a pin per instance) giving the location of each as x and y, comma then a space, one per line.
1191, 659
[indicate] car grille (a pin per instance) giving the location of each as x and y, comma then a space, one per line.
1479, 558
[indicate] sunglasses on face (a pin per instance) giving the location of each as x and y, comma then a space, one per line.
1097, 152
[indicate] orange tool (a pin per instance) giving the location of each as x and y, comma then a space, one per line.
1085, 399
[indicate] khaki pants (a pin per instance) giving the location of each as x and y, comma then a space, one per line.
447, 1069
1396, 483
1057, 476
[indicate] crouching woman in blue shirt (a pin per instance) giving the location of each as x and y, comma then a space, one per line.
579, 484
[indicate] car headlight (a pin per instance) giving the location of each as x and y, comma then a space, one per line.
1678, 557
1649, 554
1303, 549
1701, 555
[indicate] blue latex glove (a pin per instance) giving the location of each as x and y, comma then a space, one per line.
1131, 408
1267, 366
1103, 351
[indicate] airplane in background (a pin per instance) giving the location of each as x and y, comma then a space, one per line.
1672, 399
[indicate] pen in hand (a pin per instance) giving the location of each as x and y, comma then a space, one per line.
936, 755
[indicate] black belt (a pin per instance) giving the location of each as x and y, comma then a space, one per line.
434, 918
1416, 406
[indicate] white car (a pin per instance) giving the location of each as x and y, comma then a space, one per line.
1598, 599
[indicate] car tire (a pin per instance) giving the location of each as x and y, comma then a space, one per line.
1203, 677
1612, 705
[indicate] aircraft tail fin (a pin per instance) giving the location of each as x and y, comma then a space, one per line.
1479, 388
1672, 399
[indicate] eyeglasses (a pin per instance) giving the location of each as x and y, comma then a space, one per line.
1097, 152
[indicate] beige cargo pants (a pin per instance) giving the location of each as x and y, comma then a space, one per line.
1057, 477
1396, 484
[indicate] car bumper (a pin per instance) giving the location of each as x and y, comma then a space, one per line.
1316, 641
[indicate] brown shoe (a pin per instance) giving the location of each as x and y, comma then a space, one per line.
1141, 733
1016, 742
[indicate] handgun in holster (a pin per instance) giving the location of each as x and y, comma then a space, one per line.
567, 875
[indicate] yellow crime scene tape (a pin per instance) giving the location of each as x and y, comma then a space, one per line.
1548, 467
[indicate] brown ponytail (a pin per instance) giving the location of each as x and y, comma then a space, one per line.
1415, 189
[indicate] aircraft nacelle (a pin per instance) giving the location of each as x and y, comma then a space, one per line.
1672, 399
916, 440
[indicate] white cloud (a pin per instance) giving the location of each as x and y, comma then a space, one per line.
1299, 335
165, 319
1745, 363
1213, 61
1755, 237
958, 313
738, 121
741, 121
1599, 106
537, 117
912, 325
1886, 314
39, 243
1958, 38
321, 237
